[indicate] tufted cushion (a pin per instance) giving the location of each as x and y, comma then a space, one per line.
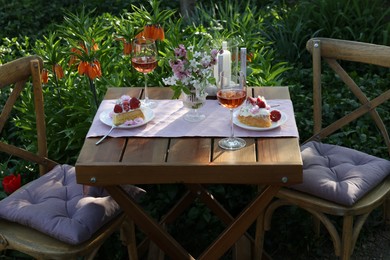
55, 204
340, 174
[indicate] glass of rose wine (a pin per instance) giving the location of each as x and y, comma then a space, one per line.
231, 95
144, 60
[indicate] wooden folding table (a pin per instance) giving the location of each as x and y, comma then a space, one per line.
194, 162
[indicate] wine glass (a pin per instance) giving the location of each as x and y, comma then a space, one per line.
144, 60
231, 95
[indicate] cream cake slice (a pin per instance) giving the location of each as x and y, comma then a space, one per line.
127, 111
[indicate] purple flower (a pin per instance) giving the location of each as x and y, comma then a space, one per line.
177, 66
214, 54
181, 51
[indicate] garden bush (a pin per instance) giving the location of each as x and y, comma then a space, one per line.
274, 32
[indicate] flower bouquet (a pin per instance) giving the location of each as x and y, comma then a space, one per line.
192, 70
192, 74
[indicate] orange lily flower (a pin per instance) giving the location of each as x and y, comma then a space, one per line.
152, 31
94, 70
127, 47
73, 58
45, 76
58, 71
83, 68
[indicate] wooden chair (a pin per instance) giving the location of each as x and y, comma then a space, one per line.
22, 238
319, 194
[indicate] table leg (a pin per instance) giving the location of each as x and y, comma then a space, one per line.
168, 218
149, 226
238, 227
243, 246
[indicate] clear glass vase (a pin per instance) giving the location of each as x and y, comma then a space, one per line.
194, 101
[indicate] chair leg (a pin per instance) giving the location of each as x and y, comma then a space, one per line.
90, 256
346, 239
316, 226
259, 240
128, 238
387, 211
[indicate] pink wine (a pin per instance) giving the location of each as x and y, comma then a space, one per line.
144, 64
231, 98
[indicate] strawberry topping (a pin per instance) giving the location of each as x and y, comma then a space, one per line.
125, 104
275, 115
134, 103
118, 108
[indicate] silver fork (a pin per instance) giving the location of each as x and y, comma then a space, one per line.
104, 137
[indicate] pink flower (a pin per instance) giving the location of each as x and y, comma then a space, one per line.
177, 66
181, 52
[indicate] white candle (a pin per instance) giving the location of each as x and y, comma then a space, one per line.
226, 59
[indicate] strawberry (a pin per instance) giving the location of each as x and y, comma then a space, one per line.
118, 108
134, 103
260, 103
252, 100
126, 105
275, 115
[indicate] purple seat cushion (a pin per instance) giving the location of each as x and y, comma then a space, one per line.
340, 174
57, 206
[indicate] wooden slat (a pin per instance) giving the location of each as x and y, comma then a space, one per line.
26, 155
317, 86
142, 150
244, 155
39, 111
159, 93
278, 150
5, 112
271, 92
104, 152
189, 150
352, 51
17, 70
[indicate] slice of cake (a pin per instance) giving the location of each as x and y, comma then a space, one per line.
256, 112
127, 111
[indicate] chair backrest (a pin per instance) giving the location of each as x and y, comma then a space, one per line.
332, 51
15, 76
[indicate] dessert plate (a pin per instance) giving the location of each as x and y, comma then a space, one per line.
274, 125
105, 118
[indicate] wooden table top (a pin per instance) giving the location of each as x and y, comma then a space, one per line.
138, 160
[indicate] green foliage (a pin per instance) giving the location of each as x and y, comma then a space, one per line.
290, 25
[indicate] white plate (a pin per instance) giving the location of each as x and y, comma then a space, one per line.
282, 120
106, 119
